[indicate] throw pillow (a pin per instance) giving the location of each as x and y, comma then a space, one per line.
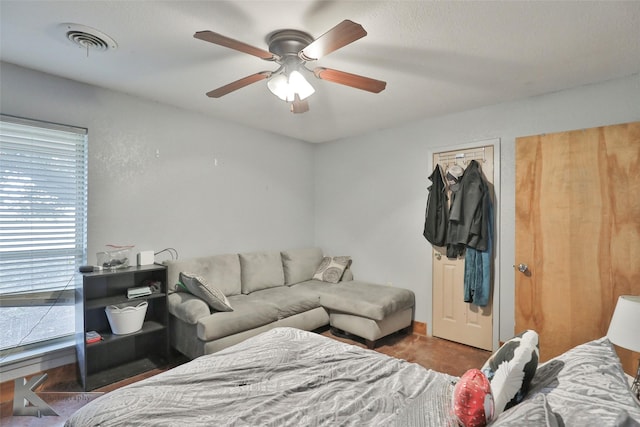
197, 286
511, 369
472, 400
331, 269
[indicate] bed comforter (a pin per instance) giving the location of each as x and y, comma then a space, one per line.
289, 377
284, 377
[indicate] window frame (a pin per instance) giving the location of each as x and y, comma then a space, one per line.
61, 293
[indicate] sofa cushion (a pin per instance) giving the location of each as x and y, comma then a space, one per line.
287, 300
199, 287
300, 264
186, 307
220, 271
261, 270
247, 314
365, 299
315, 286
331, 269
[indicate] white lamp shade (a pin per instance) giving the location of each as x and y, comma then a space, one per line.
286, 88
624, 329
300, 85
279, 86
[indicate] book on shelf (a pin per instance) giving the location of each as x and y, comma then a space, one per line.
92, 336
141, 291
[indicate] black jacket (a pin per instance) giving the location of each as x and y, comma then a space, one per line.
468, 213
437, 215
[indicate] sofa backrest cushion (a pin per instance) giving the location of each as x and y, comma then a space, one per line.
220, 271
300, 264
261, 270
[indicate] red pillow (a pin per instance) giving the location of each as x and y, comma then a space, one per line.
472, 399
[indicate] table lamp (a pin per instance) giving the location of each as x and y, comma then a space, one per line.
624, 330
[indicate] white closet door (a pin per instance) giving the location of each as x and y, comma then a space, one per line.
454, 319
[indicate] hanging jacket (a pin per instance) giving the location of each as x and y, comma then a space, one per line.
469, 204
437, 213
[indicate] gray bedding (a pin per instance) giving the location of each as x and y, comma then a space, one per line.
284, 377
586, 386
289, 377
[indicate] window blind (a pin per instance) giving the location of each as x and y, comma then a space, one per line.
43, 205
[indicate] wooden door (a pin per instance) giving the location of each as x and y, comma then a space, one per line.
578, 231
454, 319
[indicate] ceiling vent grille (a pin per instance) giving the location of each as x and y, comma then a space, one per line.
88, 38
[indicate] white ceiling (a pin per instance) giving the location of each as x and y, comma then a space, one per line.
436, 57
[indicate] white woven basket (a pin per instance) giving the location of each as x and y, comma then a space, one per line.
126, 320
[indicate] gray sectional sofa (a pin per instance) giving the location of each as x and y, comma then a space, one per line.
272, 289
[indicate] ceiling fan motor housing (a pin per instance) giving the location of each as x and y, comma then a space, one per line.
288, 42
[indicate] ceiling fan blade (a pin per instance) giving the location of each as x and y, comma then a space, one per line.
348, 79
238, 84
299, 105
219, 39
339, 36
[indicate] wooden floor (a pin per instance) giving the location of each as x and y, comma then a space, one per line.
430, 352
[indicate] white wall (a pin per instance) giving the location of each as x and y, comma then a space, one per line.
259, 196
367, 197
371, 190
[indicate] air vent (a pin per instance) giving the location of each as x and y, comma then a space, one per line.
88, 38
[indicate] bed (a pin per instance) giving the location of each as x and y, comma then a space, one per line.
290, 377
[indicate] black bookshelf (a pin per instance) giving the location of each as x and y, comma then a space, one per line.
117, 357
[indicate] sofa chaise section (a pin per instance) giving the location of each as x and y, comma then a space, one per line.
368, 310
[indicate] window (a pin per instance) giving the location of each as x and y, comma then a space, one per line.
43, 227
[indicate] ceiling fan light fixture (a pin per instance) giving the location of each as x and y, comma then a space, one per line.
286, 88
300, 85
279, 86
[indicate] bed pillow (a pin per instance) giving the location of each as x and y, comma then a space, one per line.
331, 269
531, 412
511, 369
473, 403
199, 287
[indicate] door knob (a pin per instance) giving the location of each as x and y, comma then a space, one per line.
523, 268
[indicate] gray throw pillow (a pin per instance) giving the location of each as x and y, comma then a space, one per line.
197, 286
331, 269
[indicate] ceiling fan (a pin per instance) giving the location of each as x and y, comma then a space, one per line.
292, 49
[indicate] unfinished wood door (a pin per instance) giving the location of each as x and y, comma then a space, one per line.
454, 319
578, 232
